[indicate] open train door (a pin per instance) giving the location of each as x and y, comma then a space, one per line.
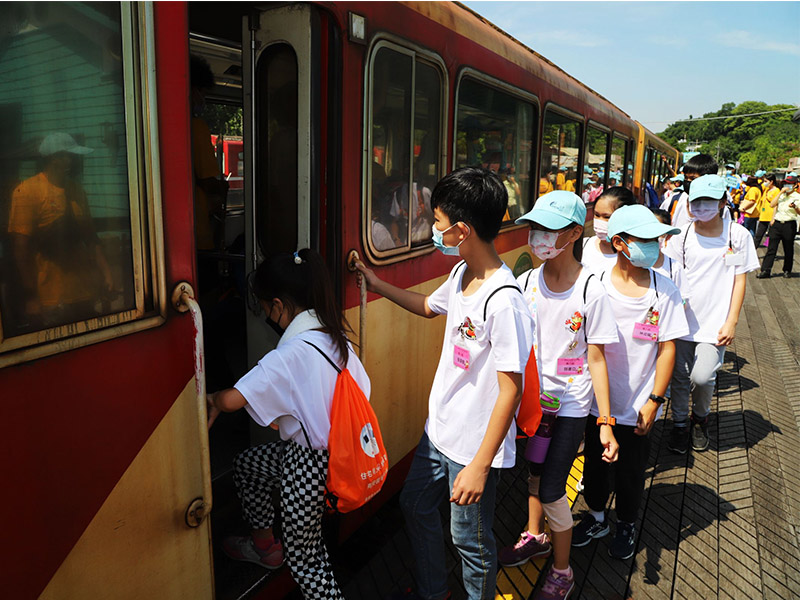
281, 120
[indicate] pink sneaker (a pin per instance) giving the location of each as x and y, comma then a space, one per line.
556, 587
523, 550
243, 548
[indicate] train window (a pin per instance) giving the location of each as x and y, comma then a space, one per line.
405, 137
617, 174
276, 150
72, 220
561, 137
596, 158
631, 160
494, 131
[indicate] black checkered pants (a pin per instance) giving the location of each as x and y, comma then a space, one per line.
300, 475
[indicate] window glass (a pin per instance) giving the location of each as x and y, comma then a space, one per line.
276, 150
560, 149
494, 131
595, 159
406, 149
66, 250
617, 174
631, 161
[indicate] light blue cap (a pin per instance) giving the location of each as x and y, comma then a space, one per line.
678, 177
587, 181
556, 210
760, 173
639, 221
562, 168
730, 166
707, 186
587, 169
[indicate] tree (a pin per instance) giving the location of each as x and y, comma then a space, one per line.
764, 141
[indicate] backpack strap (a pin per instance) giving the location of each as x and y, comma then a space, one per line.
502, 287
325, 356
527, 280
458, 266
585, 288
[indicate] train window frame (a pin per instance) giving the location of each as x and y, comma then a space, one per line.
431, 58
137, 25
512, 90
580, 120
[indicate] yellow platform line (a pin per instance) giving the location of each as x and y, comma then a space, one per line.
517, 583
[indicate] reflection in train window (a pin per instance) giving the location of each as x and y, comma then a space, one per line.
405, 134
66, 249
494, 131
631, 158
595, 159
276, 150
561, 138
616, 175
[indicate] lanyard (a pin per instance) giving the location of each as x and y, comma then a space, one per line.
685, 235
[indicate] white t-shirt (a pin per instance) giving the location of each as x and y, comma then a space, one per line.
670, 268
707, 278
485, 338
594, 259
296, 380
561, 320
680, 217
632, 361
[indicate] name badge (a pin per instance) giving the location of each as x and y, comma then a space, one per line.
569, 366
461, 357
645, 331
734, 260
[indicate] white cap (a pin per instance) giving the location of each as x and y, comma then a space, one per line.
61, 142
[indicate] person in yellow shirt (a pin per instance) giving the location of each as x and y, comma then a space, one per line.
60, 265
570, 183
765, 209
561, 179
749, 205
786, 207
545, 185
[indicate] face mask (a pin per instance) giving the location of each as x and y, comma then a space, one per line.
642, 254
728, 172
439, 244
601, 229
704, 210
274, 324
543, 244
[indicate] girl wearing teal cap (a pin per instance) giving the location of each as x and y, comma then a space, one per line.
648, 312
572, 322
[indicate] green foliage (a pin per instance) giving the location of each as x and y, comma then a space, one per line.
224, 119
757, 142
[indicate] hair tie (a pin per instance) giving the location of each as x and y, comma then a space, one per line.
297, 259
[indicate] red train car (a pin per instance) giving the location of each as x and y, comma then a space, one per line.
349, 113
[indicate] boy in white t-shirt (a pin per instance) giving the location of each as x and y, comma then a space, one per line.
648, 311
715, 255
476, 391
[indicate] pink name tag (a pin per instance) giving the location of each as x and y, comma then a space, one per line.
461, 357
569, 366
645, 331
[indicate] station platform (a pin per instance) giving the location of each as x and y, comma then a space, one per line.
723, 523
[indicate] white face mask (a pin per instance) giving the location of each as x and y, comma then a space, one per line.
704, 210
543, 244
601, 229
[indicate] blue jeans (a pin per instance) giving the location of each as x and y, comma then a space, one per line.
750, 223
429, 483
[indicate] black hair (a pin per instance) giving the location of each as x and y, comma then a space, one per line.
701, 164
200, 73
662, 215
577, 249
771, 178
752, 180
475, 196
301, 280
622, 195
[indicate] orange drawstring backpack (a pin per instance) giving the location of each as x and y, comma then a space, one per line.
357, 460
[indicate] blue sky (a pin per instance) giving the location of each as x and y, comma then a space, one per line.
662, 61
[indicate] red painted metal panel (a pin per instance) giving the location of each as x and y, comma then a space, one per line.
76, 420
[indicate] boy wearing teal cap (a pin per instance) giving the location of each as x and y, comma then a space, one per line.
715, 255
648, 311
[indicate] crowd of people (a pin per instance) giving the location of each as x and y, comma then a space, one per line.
606, 329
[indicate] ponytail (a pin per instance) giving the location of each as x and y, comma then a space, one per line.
301, 280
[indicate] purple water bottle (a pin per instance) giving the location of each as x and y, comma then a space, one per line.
536, 450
